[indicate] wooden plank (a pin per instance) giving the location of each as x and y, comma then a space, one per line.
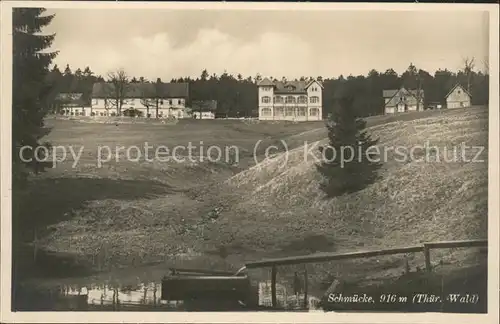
456, 244
324, 257
273, 286
176, 271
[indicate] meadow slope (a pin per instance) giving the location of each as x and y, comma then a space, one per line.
275, 208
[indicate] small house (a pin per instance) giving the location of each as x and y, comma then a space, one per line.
458, 97
402, 100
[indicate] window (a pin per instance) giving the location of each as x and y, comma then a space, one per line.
161, 101
266, 99
266, 112
314, 99
302, 111
278, 99
289, 111
279, 111
170, 101
302, 99
290, 99
94, 101
314, 112
458, 91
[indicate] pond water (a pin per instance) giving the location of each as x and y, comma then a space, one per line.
142, 296
59, 287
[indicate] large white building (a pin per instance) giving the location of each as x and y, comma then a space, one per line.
168, 99
290, 100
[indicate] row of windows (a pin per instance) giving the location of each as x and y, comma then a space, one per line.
161, 102
301, 112
68, 112
290, 99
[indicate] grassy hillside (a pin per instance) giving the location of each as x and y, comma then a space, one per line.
415, 200
131, 213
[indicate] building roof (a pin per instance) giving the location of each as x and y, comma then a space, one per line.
75, 93
266, 83
284, 87
312, 81
290, 87
392, 93
141, 90
454, 87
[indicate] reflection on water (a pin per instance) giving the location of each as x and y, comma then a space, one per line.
142, 296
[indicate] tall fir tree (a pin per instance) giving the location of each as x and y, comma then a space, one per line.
30, 104
30, 90
346, 164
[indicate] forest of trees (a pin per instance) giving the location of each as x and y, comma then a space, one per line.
236, 96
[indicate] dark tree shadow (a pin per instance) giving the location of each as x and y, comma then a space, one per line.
50, 200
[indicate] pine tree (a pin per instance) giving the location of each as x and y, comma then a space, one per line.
30, 90
78, 73
67, 70
356, 168
87, 72
30, 96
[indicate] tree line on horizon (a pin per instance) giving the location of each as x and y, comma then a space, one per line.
237, 96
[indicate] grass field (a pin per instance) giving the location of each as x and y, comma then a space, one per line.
128, 214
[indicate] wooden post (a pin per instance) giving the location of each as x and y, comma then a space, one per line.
35, 246
273, 286
427, 255
306, 302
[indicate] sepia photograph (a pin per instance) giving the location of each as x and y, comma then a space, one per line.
258, 158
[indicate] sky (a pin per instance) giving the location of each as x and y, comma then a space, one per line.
168, 43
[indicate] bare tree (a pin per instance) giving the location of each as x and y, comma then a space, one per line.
148, 99
157, 87
468, 70
119, 84
486, 63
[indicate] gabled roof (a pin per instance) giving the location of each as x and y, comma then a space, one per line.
392, 93
141, 90
454, 87
265, 83
312, 81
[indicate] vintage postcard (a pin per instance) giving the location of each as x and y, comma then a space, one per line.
249, 162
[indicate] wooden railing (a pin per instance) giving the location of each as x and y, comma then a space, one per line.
326, 257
